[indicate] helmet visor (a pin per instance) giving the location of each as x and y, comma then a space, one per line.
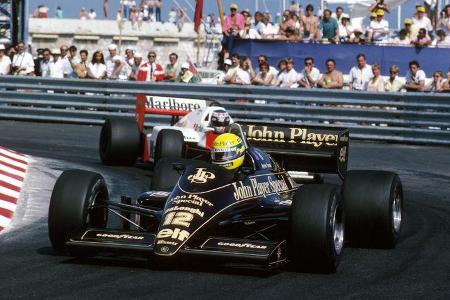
225, 154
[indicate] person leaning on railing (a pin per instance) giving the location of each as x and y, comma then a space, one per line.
436, 85
446, 84
331, 79
415, 78
393, 84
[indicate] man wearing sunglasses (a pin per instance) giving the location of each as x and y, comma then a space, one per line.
151, 71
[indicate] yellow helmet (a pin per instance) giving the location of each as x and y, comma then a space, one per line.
228, 151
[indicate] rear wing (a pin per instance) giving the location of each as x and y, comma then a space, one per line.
168, 106
317, 149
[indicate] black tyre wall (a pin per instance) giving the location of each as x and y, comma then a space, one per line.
169, 144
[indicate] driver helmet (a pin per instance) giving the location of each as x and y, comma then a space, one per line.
228, 151
220, 119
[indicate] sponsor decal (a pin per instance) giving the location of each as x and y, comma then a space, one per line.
158, 194
241, 245
180, 218
164, 242
192, 210
259, 189
201, 176
171, 103
343, 154
176, 234
164, 249
291, 135
191, 199
119, 236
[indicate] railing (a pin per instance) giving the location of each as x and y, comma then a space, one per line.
399, 117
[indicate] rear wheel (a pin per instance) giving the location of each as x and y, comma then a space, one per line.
120, 142
75, 205
169, 144
317, 228
374, 208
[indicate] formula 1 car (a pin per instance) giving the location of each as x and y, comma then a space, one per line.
123, 140
259, 214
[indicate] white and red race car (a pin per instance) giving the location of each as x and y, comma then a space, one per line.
195, 124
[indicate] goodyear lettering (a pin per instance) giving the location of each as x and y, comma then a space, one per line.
259, 188
191, 199
241, 245
119, 236
293, 135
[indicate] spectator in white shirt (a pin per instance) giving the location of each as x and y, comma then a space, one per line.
393, 84
244, 74
129, 56
97, 67
57, 67
421, 20
46, 63
264, 77
360, 74
220, 78
265, 28
137, 62
376, 83
437, 84
345, 28
121, 69
289, 77
65, 61
23, 63
249, 33
444, 20
310, 75
92, 14
402, 39
379, 28
272, 70
5, 61
441, 40
415, 78
108, 61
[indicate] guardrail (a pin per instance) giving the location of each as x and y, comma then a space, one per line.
399, 117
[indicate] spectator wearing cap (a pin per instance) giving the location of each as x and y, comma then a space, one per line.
415, 78
378, 28
356, 36
232, 25
46, 63
220, 78
151, 71
97, 67
402, 39
332, 78
112, 49
394, 83
310, 23
5, 61
58, 66
421, 20
345, 28
411, 31
379, 4
186, 75
422, 39
172, 68
263, 77
360, 74
137, 63
437, 84
376, 83
22, 63
310, 75
129, 56
121, 69
329, 27
289, 77
441, 40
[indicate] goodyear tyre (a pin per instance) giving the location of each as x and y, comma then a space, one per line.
74, 205
169, 144
317, 228
120, 142
374, 208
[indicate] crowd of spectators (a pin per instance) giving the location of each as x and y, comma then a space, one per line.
68, 62
362, 77
326, 26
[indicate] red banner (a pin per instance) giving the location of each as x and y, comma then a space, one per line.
198, 14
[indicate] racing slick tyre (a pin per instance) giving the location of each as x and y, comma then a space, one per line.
165, 176
169, 144
317, 228
73, 206
373, 205
120, 142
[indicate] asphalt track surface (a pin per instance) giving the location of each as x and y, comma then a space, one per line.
419, 267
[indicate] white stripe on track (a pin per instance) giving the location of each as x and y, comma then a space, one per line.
15, 155
4, 221
12, 171
9, 192
13, 162
10, 180
8, 205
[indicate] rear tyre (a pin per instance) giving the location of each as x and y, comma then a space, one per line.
165, 177
120, 142
374, 208
74, 206
169, 144
317, 228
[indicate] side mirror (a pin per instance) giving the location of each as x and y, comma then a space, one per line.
247, 171
179, 167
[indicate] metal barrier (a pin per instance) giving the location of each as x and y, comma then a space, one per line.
400, 117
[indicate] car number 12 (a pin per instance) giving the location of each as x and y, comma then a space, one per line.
180, 218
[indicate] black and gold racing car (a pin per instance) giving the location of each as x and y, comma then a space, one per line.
275, 209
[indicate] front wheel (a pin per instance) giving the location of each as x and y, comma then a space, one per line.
75, 204
317, 228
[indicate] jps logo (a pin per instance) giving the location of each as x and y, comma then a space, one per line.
201, 176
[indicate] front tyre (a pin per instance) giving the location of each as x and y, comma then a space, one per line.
374, 208
317, 228
75, 205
